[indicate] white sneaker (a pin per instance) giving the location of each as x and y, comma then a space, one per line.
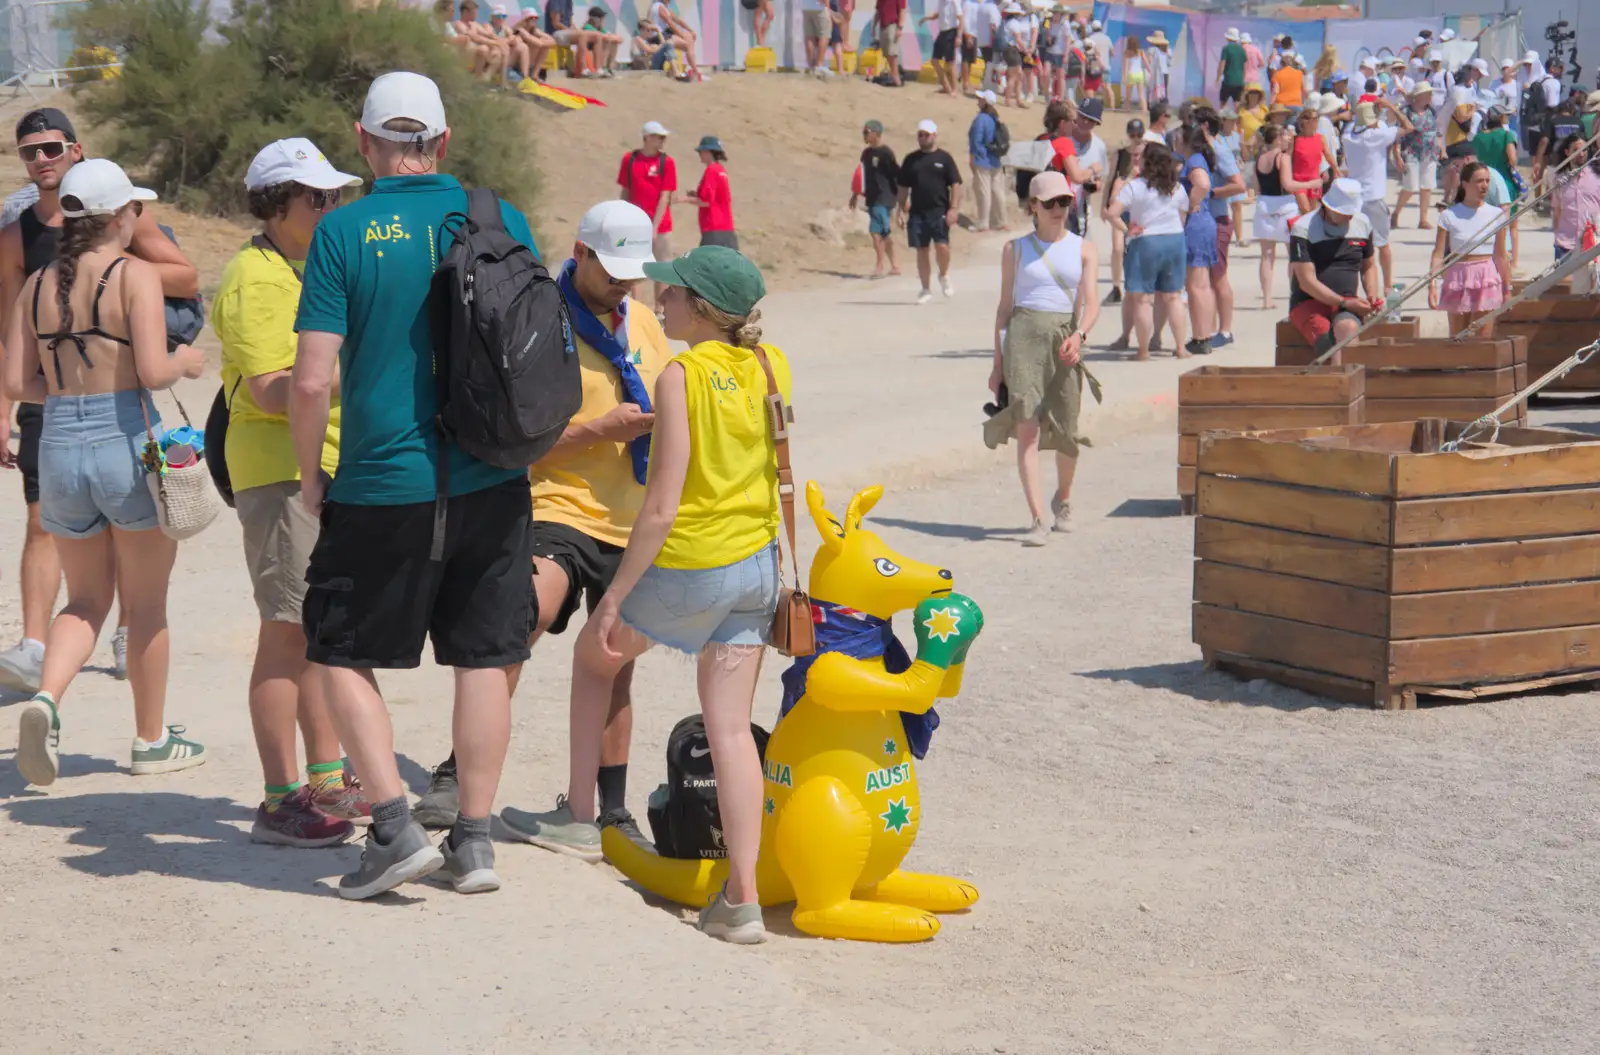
1063, 515
925, 296
946, 288
1039, 535
119, 654
22, 666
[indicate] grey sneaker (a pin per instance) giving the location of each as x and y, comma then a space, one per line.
1121, 344
1063, 514
383, 867
1038, 535
556, 831
468, 867
441, 803
119, 654
737, 924
21, 667
623, 821
38, 741
177, 753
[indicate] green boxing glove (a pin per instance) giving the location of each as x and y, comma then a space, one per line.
945, 628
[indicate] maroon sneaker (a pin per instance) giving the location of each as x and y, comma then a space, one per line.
348, 803
298, 822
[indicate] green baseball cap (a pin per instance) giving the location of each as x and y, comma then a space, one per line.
873, 126
724, 278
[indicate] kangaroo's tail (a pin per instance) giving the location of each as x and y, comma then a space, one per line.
687, 882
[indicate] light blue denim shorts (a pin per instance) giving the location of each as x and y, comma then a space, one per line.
89, 469
687, 609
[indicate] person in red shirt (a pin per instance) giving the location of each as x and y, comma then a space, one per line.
649, 179
714, 196
889, 20
1058, 118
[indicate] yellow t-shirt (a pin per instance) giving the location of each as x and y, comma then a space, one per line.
592, 489
1457, 127
729, 509
1250, 122
254, 316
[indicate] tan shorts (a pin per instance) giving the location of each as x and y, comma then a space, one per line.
278, 538
889, 41
661, 246
818, 26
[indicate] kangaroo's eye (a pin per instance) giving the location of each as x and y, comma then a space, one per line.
886, 567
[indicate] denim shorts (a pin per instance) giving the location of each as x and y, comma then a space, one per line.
687, 609
89, 469
879, 224
1154, 263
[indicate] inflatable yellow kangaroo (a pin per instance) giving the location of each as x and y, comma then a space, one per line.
842, 807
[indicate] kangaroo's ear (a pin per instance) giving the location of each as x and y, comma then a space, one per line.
831, 530
861, 505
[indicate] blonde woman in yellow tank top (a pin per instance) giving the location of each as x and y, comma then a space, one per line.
700, 572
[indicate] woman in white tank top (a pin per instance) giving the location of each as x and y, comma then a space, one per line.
1047, 307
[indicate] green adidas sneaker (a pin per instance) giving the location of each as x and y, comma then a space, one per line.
177, 753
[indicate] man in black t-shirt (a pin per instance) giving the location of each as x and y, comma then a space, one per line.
1331, 260
1558, 124
879, 177
930, 196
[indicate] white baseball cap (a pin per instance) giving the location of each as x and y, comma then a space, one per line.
984, 96
1366, 64
295, 161
620, 235
498, 11
1244, 38
1344, 196
1508, 64
654, 128
403, 95
1096, 26
100, 187
1480, 65
1531, 58
1447, 35
929, 127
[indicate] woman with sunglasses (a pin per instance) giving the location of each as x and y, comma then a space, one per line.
1047, 308
291, 185
87, 337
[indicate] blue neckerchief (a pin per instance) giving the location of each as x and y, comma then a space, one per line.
614, 346
859, 636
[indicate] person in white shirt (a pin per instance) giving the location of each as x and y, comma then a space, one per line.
987, 30
1101, 43
1366, 156
1093, 157
969, 43
1509, 94
1441, 80
1399, 85
1160, 64
1155, 261
947, 44
1477, 283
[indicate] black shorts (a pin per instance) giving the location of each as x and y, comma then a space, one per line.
969, 48
588, 564
1234, 92
927, 228
726, 239
944, 46
373, 596
30, 423
987, 51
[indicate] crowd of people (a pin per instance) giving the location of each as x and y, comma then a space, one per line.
366, 532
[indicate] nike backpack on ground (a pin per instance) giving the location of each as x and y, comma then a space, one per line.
683, 813
507, 370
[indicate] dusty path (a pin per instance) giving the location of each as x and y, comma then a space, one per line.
1170, 860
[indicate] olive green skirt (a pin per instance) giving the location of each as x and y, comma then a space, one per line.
1040, 386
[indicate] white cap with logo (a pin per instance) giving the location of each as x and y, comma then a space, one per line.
408, 96
99, 187
620, 235
927, 126
654, 128
295, 161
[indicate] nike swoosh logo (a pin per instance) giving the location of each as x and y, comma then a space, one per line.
699, 752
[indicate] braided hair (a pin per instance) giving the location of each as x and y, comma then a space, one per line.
78, 235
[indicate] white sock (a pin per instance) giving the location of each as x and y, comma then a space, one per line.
160, 741
33, 645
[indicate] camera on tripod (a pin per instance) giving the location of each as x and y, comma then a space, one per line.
1561, 36
1558, 34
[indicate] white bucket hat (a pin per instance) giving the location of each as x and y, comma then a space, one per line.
100, 188
1343, 197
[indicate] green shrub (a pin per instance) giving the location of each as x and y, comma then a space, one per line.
192, 108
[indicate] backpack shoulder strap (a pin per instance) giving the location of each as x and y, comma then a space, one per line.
483, 208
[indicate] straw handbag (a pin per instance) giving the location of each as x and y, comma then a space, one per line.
186, 499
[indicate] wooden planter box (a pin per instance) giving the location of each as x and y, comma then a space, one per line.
1555, 326
1294, 351
1433, 377
1250, 398
1360, 563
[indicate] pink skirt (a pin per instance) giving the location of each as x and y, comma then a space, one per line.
1472, 285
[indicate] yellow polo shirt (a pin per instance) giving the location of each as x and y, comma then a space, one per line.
253, 315
592, 488
729, 509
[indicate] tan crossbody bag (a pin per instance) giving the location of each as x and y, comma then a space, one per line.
794, 632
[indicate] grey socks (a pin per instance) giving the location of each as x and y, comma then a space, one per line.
467, 828
389, 818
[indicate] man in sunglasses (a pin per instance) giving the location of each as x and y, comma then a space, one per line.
586, 493
930, 198
48, 147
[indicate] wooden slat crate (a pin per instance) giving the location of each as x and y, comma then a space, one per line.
1363, 564
1250, 398
1293, 350
1555, 326
1433, 377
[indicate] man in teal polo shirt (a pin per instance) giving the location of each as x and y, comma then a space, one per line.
373, 596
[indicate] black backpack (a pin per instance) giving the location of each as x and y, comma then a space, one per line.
683, 812
1001, 143
506, 370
